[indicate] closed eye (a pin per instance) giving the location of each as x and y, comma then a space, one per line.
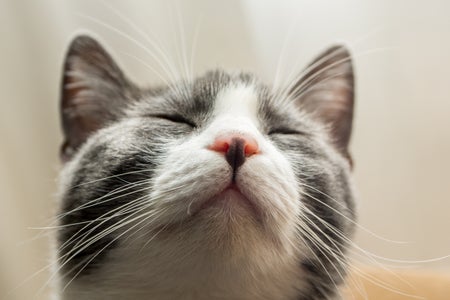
176, 119
285, 131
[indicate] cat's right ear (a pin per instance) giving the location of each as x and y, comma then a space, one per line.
93, 93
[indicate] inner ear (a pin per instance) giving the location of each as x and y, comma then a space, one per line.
326, 91
94, 92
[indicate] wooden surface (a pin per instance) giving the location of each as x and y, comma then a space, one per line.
381, 284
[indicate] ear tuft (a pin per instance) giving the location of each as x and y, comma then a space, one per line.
326, 90
93, 92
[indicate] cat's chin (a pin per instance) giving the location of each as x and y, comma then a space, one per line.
228, 202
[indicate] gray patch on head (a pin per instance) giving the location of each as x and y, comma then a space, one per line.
111, 174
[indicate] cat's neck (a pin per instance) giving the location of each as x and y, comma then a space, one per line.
180, 269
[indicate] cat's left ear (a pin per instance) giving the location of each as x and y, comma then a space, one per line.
326, 90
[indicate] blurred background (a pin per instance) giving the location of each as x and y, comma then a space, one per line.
401, 141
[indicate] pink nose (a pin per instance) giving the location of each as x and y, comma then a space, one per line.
223, 143
235, 147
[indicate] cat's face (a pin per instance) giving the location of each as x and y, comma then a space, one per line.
219, 182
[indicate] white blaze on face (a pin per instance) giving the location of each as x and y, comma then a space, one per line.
237, 102
266, 178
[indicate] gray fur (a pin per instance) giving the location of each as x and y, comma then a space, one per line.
114, 171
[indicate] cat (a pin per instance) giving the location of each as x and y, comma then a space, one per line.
220, 187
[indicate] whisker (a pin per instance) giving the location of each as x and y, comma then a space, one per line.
105, 178
169, 72
287, 94
351, 244
182, 37
194, 46
149, 67
111, 213
352, 221
101, 250
143, 34
96, 201
75, 251
288, 37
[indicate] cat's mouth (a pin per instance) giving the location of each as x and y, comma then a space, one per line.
229, 198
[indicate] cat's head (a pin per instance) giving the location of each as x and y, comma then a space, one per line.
222, 164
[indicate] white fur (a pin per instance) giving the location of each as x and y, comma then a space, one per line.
240, 100
225, 251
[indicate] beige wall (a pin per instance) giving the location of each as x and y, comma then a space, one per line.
401, 141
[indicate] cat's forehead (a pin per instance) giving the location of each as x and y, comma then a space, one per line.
240, 101
225, 93
215, 94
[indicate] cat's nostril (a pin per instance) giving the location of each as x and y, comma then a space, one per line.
235, 147
224, 142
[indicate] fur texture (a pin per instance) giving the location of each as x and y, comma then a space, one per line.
149, 211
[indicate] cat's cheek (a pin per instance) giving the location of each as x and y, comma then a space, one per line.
269, 181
